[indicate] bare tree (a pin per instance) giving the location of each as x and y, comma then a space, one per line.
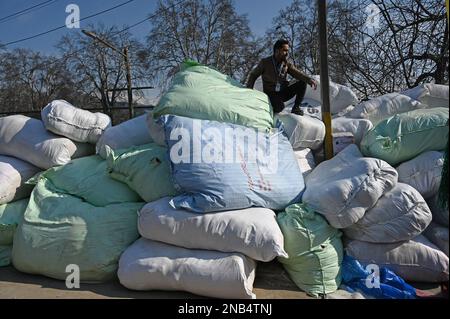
407, 45
298, 24
98, 69
208, 31
29, 80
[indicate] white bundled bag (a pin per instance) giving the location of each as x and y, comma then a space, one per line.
400, 214
253, 232
151, 265
358, 127
345, 187
316, 94
305, 160
430, 94
416, 260
385, 106
440, 214
423, 173
438, 235
343, 99
156, 130
27, 139
62, 118
133, 132
303, 131
310, 108
13, 175
341, 96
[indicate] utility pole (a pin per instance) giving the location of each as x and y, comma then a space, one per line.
130, 92
125, 56
324, 78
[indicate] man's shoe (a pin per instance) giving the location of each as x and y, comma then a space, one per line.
297, 110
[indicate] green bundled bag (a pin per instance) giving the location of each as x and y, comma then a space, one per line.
60, 229
11, 215
404, 136
88, 179
5, 255
144, 169
203, 93
315, 250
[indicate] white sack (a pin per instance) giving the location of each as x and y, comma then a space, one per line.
129, 133
316, 94
440, 214
438, 235
417, 260
151, 265
156, 131
305, 160
430, 94
62, 118
13, 175
358, 127
303, 131
253, 232
399, 215
345, 187
343, 99
385, 106
27, 139
423, 173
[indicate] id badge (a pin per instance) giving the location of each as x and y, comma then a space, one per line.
278, 87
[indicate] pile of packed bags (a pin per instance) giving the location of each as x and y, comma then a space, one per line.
231, 170
381, 192
384, 195
29, 146
192, 195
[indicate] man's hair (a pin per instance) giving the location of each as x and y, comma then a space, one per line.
279, 44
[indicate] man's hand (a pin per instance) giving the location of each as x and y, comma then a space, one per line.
313, 84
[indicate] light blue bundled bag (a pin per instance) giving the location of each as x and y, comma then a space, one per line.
223, 166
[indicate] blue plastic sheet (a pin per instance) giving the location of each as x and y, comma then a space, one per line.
359, 277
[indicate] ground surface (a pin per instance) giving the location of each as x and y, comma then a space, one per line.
271, 282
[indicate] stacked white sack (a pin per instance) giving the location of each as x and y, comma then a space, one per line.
27, 139
151, 265
13, 175
385, 106
129, 133
253, 232
430, 94
399, 215
305, 160
345, 187
423, 173
62, 118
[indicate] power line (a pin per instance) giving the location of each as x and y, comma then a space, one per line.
148, 18
112, 36
26, 10
64, 26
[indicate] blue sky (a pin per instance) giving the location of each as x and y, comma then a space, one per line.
260, 14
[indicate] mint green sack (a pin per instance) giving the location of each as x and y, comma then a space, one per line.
11, 215
315, 250
203, 93
404, 136
59, 229
144, 169
5, 255
88, 179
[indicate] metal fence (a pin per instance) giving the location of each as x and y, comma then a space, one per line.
117, 114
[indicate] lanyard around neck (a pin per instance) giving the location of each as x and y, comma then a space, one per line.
277, 70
